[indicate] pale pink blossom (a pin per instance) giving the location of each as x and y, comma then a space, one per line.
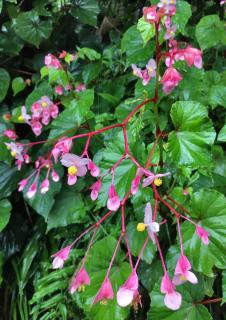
9, 133
80, 87
24, 115
80, 279
128, 291
182, 273
60, 257
32, 190
193, 56
95, 188
170, 32
36, 127
169, 6
16, 149
202, 234
45, 186
59, 90
172, 298
136, 181
113, 202
170, 79
55, 176
52, 61
150, 14
151, 177
94, 170
105, 292
152, 226
61, 147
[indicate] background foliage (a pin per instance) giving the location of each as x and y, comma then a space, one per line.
31, 230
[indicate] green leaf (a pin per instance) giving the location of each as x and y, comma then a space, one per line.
10, 43
222, 134
68, 208
86, 11
9, 178
96, 265
132, 45
29, 27
0, 6
18, 85
189, 310
90, 72
217, 96
44, 89
5, 209
183, 13
194, 133
87, 53
146, 29
74, 115
4, 83
208, 209
136, 241
210, 32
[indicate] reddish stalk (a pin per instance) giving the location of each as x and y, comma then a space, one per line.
209, 301
114, 254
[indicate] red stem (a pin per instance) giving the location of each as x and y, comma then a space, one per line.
114, 254
209, 301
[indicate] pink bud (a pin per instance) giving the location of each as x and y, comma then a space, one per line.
55, 176
45, 186
36, 127
32, 190
105, 292
170, 79
26, 158
95, 190
202, 234
80, 279
22, 184
11, 134
59, 90
80, 87
128, 291
60, 257
182, 272
113, 202
172, 298
94, 170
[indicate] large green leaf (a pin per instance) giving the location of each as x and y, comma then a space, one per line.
9, 178
4, 83
194, 133
182, 15
146, 29
222, 134
96, 265
86, 11
74, 115
208, 209
5, 208
18, 84
29, 27
68, 208
210, 32
136, 241
10, 43
217, 96
189, 310
132, 45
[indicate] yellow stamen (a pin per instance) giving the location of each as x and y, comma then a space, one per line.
182, 278
44, 104
171, 32
81, 288
72, 170
141, 227
104, 302
13, 153
158, 182
21, 118
151, 69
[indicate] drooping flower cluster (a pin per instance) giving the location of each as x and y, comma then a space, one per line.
42, 111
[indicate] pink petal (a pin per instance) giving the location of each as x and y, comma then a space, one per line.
124, 297
173, 300
71, 179
57, 263
113, 203
191, 277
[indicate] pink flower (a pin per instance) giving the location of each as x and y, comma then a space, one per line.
63, 54
79, 281
136, 181
182, 273
137, 71
169, 6
202, 234
80, 87
193, 56
45, 186
170, 79
172, 298
94, 170
59, 90
76, 166
128, 291
95, 190
60, 257
151, 177
55, 176
113, 202
22, 184
152, 227
16, 150
150, 14
170, 32
11, 134
36, 127
151, 68
52, 61
24, 115
61, 147
32, 190
105, 292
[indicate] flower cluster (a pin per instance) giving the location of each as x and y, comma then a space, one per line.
42, 111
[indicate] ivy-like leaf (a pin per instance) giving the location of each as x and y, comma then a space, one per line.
208, 209
194, 133
5, 208
86, 11
210, 32
183, 13
146, 29
29, 27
